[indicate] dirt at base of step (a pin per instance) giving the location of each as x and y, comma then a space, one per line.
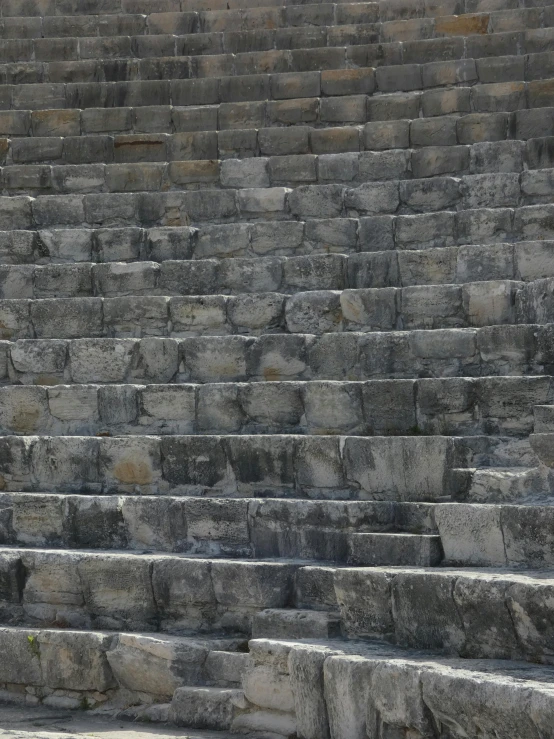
22, 722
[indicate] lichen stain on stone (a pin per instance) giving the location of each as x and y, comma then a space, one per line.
25, 420
131, 472
272, 374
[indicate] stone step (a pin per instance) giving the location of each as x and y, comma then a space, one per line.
521, 268
170, 81
311, 16
386, 10
225, 527
196, 21
544, 419
289, 623
180, 42
527, 485
510, 157
305, 202
246, 129
485, 233
343, 688
375, 549
146, 592
396, 468
447, 407
419, 307
496, 535
207, 708
487, 352
101, 163
474, 613
67, 669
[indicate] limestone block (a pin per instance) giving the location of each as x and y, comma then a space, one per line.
130, 464
94, 360
118, 591
257, 584
157, 665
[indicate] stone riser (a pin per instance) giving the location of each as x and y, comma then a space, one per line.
496, 535
344, 691
453, 406
515, 270
265, 172
389, 127
147, 592
312, 530
179, 42
471, 613
105, 158
386, 10
183, 208
473, 305
469, 229
287, 466
493, 351
76, 669
166, 82
267, 23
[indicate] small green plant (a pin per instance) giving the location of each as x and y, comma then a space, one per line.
33, 645
84, 705
415, 430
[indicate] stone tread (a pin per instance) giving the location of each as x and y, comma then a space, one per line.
289, 171
245, 19
316, 311
511, 267
388, 125
304, 202
447, 406
311, 530
182, 41
269, 466
281, 74
25, 722
462, 609
388, 10
355, 356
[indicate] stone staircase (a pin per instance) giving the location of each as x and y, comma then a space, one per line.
276, 360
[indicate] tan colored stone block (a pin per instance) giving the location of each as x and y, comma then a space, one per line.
462, 25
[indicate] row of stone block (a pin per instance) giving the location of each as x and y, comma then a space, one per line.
178, 208
395, 468
355, 75
348, 692
386, 10
305, 529
479, 614
180, 43
491, 351
447, 406
247, 19
74, 668
472, 305
493, 229
199, 21
261, 128
256, 172
434, 151
508, 157
153, 592
104, 105
479, 133
521, 262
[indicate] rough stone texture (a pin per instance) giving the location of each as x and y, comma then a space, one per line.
276, 342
